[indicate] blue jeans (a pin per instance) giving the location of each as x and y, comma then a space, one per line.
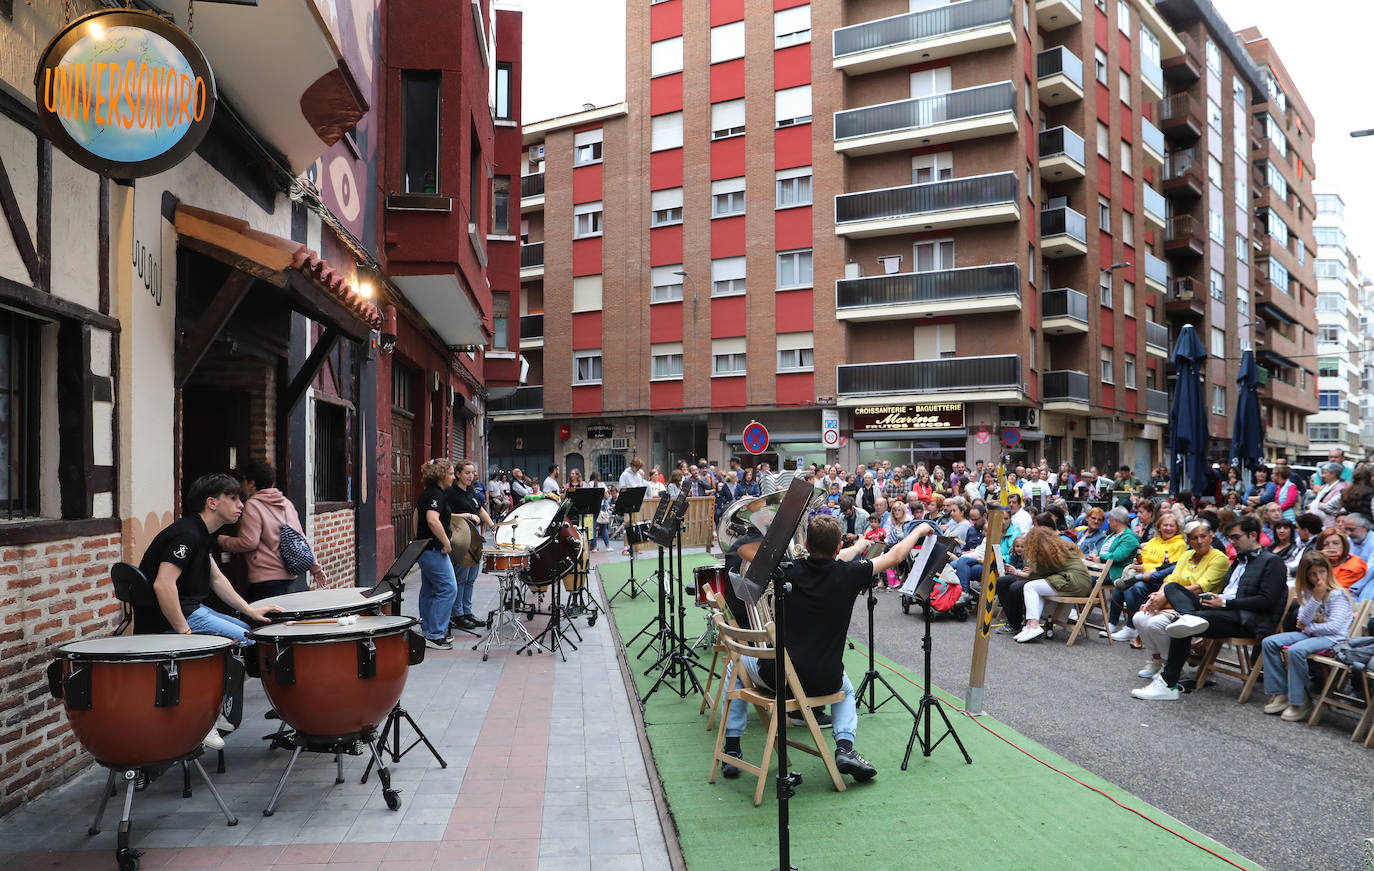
438, 589
207, 621
965, 567
1129, 600
464, 578
603, 532
844, 715
1293, 680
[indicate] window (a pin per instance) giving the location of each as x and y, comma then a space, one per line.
727, 197
1128, 297
932, 167
1214, 173
503, 82
478, 173
1330, 237
1329, 367
1213, 57
665, 285
727, 119
1128, 229
928, 83
1276, 137
586, 293
587, 367
1100, 60
1331, 269
667, 361
1216, 225
1104, 287
1216, 284
1129, 371
1149, 44
1243, 300
1329, 334
1214, 115
934, 255
796, 352
500, 320
727, 276
20, 413
1277, 183
1242, 249
1218, 399
665, 57
665, 132
1218, 342
727, 357
1324, 432
1278, 275
1278, 228
1107, 375
586, 220
1104, 141
500, 205
420, 132
1104, 214
791, 26
1328, 400
331, 452
727, 42
794, 187
794, 268
666, 206
1242, 167
1123, 86
1238, 93
1331, 302
792, 106
587, 147
1240, 137
1126, 157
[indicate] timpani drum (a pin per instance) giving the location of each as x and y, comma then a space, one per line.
319, 604
336, 681
137, 701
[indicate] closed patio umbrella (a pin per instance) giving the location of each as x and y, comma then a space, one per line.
1187, 415
1247, 430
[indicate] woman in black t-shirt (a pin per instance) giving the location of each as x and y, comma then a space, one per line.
438, 588
462, 502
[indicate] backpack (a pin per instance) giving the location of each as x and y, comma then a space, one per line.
1354, 652
294, 551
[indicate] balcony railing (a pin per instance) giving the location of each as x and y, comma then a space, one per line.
1183, 172
1152, 72
926, 288
531, 186
1155, 204
1156, 403
1059, 61
1184, 68
1156, 270
532, 255
524, 399
1183, 290
1063, 302
912, 27
1179, 116
917, 199
1156, 335
1061, 142
1183, 235
962, 105
1063, 221
532, 326
1152, 136
949, 374
1066, 385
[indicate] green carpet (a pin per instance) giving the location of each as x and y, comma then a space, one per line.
1005, 810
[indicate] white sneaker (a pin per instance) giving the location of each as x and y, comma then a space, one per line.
1073, 615
1111, 627
213, 741
1186, 626
1125, 633
223, 725
1154, 668
1030, 633
1156, 691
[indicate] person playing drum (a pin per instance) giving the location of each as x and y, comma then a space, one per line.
184, 574
462, 502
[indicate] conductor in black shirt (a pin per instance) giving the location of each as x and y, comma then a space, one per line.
819, 606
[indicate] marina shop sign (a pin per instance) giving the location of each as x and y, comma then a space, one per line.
124, 93
899, 418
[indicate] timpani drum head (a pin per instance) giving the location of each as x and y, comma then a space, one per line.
133, 648
309, 633
531, 520
326, 603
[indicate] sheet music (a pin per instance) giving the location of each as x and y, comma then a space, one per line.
918, 568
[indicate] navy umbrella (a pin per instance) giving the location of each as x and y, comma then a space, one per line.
1247, 433
1187, 415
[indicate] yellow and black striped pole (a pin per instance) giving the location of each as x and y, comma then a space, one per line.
996, 522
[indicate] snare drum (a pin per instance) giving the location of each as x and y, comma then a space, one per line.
715, 576
317, 604
143, 700
332, 681
501, 561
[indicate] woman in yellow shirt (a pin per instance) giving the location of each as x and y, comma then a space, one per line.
1165, 547
1202, 570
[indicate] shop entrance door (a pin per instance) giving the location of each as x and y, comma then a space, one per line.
402, 480
216, 437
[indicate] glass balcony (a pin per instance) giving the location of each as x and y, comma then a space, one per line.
1061, 154
992, 377
1065, 388
532, 256
525, 400
986, 110
1157, 339
1157, 404
914, 294
1063, 311
957, 202
1156, 273
1152, 76
1152, 140
1059, 75
1155, 208
901, 40
1063, 232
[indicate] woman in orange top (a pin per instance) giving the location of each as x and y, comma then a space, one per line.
1346, 567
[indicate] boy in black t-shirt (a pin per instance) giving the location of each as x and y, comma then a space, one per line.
818, 609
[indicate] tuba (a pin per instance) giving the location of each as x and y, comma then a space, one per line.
751, 516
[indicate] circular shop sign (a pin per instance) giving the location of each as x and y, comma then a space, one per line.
755, 438
124, 93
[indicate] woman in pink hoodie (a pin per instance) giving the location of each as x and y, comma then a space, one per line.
259, 534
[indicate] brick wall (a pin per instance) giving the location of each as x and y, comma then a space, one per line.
332, 539
54, 592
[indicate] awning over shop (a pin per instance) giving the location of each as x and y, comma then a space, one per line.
443, 302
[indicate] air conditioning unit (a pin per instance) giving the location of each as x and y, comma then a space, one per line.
1009, 423
1033, 418
620, 444
537, 152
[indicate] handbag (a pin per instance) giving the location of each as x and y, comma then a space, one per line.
603, 517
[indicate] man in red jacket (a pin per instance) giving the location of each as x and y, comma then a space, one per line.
259, 534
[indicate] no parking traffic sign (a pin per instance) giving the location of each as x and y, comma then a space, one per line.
755, 438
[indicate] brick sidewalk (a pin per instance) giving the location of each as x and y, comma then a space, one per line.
545, 773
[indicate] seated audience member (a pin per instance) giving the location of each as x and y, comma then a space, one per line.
1092, 534
1326, 504
1324, 616
1346, 568
1140, 578
1146, 513
1201, 570
1119, 546
1248, 606
1054, 567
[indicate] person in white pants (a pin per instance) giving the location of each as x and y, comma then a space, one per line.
1202, 569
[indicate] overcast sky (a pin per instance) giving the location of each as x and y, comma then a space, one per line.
574, 54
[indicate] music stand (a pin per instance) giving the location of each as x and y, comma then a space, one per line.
676, 657
584, 502
659, 623
627, 502
394, 580
933, 557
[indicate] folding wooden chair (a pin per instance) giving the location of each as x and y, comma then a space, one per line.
1096, 598
1332, 693
719, 655
1245, 664
738, 643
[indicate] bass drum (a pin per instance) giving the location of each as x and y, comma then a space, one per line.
554, 557
531, 519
